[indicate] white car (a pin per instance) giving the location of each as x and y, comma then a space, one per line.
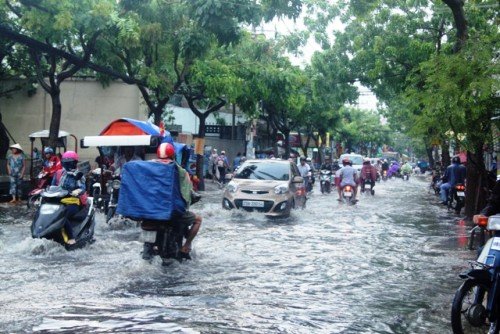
356, 159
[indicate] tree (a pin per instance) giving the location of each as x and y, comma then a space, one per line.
72, 27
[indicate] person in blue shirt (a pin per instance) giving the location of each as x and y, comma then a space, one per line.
455, 173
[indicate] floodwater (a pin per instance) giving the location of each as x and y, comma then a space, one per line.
390, 264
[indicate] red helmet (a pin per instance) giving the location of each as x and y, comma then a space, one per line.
165, 151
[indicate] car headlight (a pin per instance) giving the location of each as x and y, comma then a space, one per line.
281, 189
116, 184
232, 187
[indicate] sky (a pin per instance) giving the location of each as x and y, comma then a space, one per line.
366, 100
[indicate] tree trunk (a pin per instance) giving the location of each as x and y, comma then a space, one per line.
457, 8
200, 158
430, 157
55, 120
476, 190
286, 134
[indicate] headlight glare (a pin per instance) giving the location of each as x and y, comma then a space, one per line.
281, 189
232, 187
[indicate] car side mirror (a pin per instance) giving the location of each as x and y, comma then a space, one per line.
298, 179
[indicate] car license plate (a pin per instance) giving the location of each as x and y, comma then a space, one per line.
347, 194
461, 194
253, 204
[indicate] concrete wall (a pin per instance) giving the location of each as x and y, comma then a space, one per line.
87, 108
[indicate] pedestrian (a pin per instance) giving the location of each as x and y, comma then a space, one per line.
212, 165
35, 155
222, 166
16, 166
237, 161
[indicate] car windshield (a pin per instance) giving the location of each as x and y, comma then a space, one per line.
264, 171
356, 160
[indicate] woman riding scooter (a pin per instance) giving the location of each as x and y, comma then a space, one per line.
70, 179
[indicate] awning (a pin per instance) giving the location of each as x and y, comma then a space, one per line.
130, 127
45, 134
136, 140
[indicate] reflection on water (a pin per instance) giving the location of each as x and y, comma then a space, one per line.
387, 265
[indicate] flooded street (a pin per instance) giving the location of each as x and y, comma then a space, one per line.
389, 264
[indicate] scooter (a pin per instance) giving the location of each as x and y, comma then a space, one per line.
406, 176
325, 181
348, 194
367, 183
476, 306
456, 198
49, 220
384, 175
113, 188
164, 238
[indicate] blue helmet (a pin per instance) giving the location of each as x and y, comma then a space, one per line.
48, 150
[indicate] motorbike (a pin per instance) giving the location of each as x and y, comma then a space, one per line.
113, 189
164, 238
34, 196
325, 181
456, 198
384, 175
406, 176
481, 231
367, 183
348, 194
49, 219
435, 182
475, 307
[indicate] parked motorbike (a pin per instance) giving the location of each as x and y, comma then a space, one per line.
325, 181
476, 306
348, 194
456, 198
34, 196
49, 220
367, 183
113, 189
481, 231
164, 238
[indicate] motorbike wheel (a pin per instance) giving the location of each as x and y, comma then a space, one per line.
110, 214
468, 310
328, 188
31, 202
322, 187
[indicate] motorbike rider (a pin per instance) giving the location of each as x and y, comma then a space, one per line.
368, 174
384, 166
493, 205
348, 176
52, 163
166, 154
305, 171
394, 169
455, 173
72, 180
406, 168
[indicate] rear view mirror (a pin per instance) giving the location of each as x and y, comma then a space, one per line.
298, 179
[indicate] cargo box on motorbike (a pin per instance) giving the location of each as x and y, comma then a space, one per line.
150, 190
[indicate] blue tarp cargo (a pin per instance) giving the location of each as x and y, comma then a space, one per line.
150, 190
